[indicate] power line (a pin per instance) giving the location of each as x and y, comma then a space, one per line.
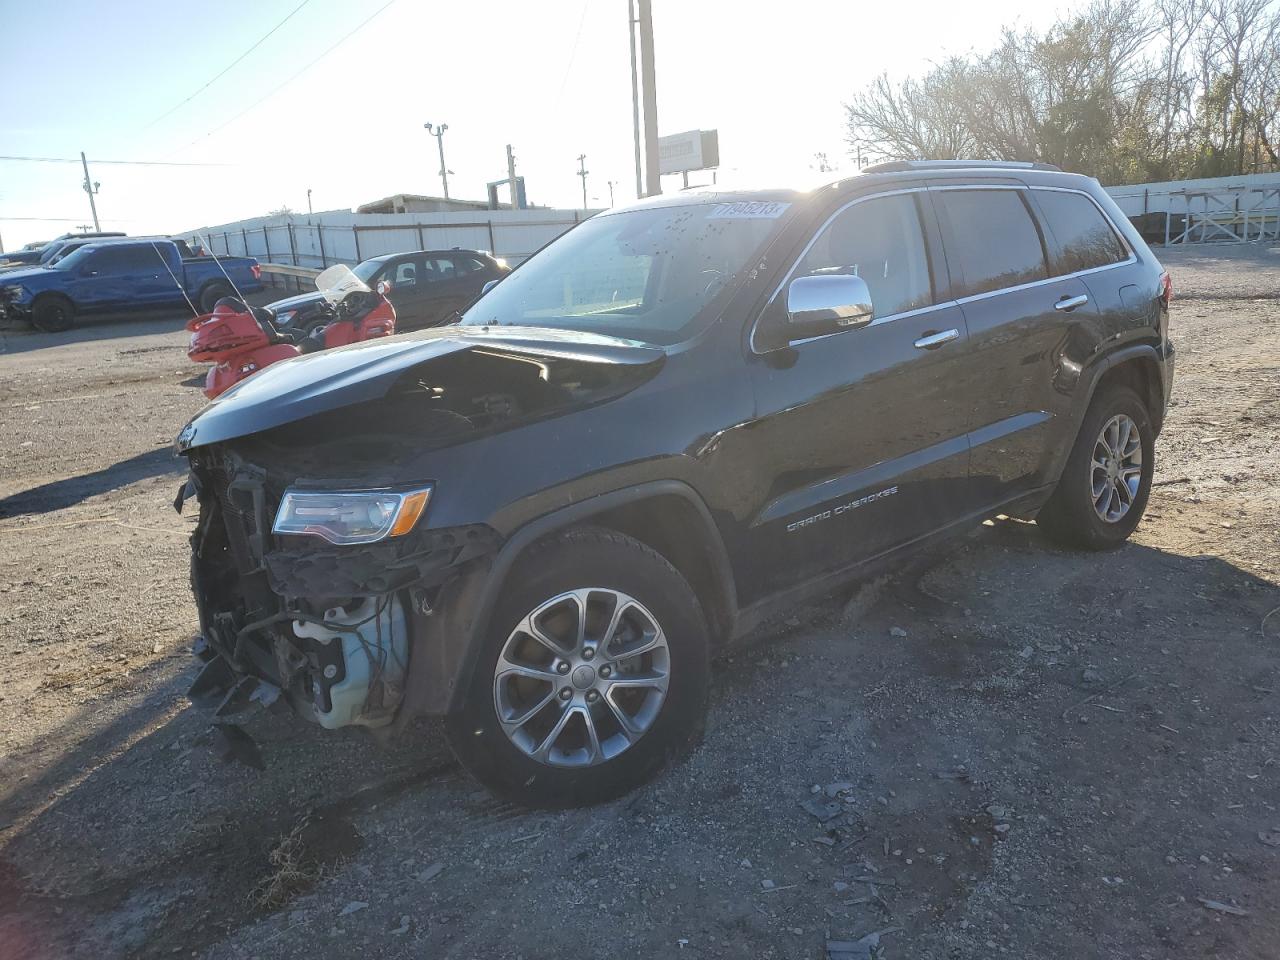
131, 163
224, 70
62, 219
274, 90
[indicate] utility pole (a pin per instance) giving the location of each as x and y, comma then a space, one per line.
612, 184
582, 172
511, 177
91, 189
635, 95
438, 133
309, 201
653, 179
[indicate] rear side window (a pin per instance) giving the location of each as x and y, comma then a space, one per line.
1082, 237
991, 240
879, 240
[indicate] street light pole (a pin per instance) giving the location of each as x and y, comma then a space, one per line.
90, 188
582, 172
635, 95
438, 133
309, 201
611, 183
649, 83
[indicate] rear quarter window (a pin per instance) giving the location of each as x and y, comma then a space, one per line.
1082, 238
991, 240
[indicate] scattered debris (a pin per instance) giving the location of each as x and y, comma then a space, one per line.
403, 928
823, 810
1270, 837
858, 949
1221, 907
352, 907
1092, 697
897, 632
835, 789
960, 773
430, 873
768, 885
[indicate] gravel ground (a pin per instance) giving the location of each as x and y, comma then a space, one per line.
1026, 752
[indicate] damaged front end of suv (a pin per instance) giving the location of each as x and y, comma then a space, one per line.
313, 565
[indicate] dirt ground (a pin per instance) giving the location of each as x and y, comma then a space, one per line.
1006, 749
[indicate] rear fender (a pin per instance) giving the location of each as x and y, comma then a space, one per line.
1091, 377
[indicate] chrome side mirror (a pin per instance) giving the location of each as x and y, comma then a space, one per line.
826, 304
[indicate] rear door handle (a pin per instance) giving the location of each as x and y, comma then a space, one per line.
1070, 303
933, 341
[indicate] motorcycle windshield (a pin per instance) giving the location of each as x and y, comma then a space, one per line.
337, 282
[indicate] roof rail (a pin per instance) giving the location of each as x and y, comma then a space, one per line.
898, 166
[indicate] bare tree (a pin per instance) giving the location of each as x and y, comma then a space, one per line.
1122, 91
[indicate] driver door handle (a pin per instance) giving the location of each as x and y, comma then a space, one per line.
932, 341
1070, 303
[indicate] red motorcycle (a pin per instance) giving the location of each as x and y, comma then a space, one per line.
239, 340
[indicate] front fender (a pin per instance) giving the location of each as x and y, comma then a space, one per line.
447, 640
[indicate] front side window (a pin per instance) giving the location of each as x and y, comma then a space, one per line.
879, 240
651, 274
991, 240
404, 274
1083, 239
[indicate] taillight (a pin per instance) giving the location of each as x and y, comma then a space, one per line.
1166, 289
257, 271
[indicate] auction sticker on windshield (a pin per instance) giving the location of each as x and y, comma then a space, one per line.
748, 210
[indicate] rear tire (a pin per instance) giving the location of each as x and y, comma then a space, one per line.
593, 723
211, 294
53, 314
1103, 490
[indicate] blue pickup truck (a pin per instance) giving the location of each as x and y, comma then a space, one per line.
115, 276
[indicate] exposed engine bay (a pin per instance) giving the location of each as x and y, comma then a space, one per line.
328, 627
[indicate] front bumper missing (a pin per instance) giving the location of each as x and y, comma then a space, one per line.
327, 630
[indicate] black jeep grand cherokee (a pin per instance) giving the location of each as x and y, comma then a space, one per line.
672, 422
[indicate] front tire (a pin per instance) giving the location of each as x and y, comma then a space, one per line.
592, 675
1104, 487
53, 314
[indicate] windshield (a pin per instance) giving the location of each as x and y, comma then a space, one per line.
52, 251
72, 259
337, 282
365, 271
646, 274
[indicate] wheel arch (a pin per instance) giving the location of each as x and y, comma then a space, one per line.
1140, 371
210, 284
666, 515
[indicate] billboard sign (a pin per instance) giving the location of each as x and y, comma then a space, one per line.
693, 150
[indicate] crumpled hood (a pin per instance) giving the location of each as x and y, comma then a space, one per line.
332, 379
26, 273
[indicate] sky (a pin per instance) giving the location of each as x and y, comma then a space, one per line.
335, 99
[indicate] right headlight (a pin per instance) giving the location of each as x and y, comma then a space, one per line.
12, 292
350, 516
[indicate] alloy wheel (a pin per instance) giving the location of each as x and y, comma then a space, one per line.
1116, 471
582, 677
